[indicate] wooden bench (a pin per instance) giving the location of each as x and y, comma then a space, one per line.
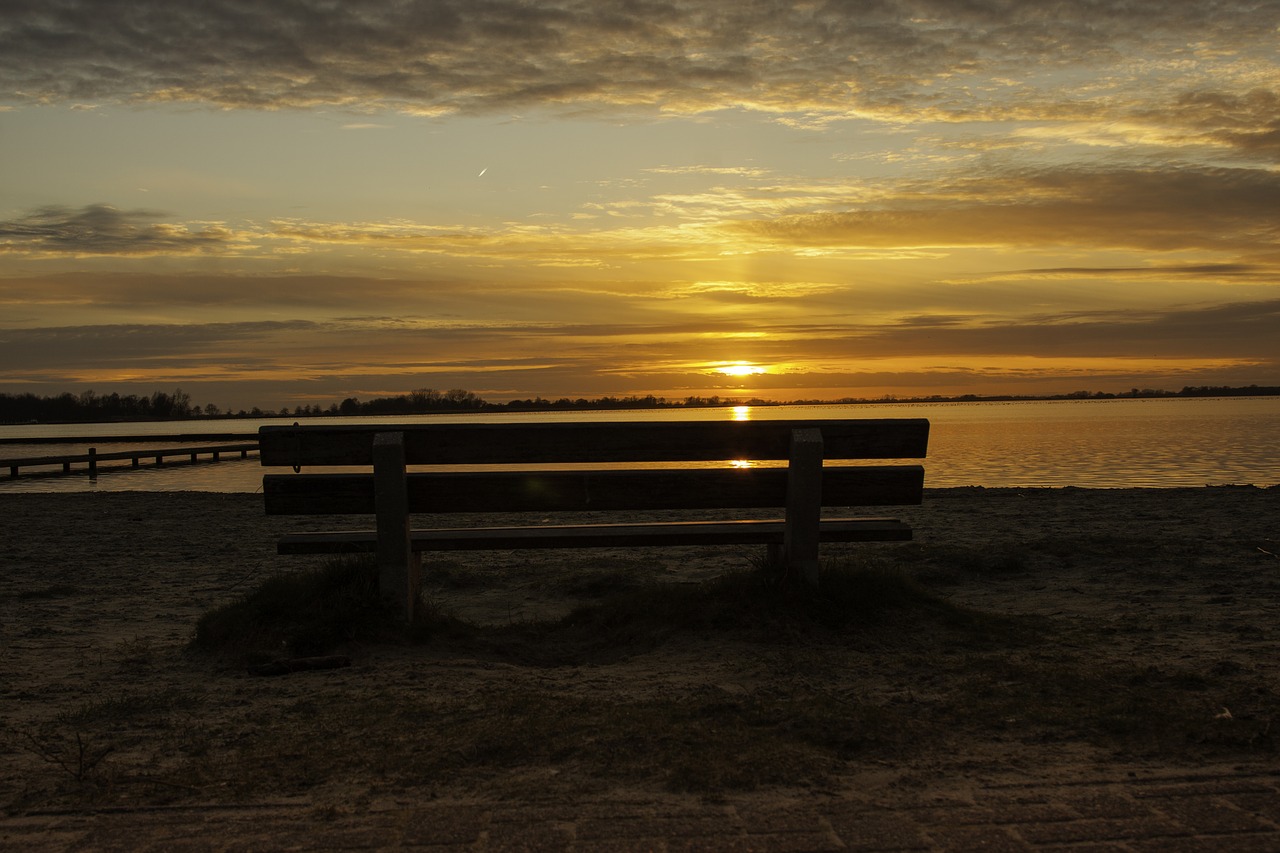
615, 473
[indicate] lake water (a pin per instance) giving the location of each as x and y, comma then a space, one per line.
1088, 443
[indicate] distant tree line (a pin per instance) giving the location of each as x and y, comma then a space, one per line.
91, 407
1187, 391
428, 401
1222, 391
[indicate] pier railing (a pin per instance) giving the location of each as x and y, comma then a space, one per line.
91, 459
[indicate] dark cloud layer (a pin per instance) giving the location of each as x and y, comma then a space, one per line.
1161, 210
100, 229
907, 57
1243, 331
1235, 331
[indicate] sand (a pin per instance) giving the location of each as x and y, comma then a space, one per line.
99, 595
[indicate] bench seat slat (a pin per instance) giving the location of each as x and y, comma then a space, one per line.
749, 532
550, 491
594, 442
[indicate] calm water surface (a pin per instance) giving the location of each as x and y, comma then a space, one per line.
1089, 443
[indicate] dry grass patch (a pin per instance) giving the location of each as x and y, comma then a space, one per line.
738, 683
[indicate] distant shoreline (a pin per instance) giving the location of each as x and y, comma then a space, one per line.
399, 406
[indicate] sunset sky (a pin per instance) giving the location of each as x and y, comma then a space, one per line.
294, 202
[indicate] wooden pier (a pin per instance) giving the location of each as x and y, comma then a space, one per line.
93, 457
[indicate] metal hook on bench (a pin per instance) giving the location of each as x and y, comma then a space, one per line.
295, 451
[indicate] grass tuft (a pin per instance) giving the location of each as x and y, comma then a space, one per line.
310, 613
318, 611
852, 597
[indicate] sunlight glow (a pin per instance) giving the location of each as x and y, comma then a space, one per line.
740, 368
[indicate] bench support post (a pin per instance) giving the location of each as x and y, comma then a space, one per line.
399, 568
804, 505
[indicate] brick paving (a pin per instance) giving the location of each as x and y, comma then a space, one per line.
1222, 810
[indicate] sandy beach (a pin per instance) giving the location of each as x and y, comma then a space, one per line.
102, 705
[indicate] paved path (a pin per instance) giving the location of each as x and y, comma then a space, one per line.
1226, 810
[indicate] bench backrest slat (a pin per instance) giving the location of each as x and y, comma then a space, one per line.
551, 491
602, 442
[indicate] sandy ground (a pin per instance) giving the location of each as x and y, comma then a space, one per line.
99, 595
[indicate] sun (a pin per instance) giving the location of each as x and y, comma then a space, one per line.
740, 368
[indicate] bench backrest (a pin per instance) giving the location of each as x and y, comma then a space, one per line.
602, 443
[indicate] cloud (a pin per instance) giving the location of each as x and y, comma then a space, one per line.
900, 60
135, 347
1226, 211
1226, 273
1248, 121
429, 353
1164, 210
100, 229
1239, 330
185, 294
727, 171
